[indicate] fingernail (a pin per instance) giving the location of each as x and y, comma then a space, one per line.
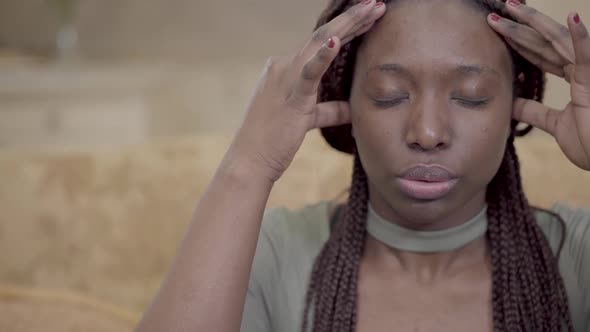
577, 18
366, 2
514, 3
495, 17
331, 43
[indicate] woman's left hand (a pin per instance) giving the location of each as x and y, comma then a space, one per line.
562, 51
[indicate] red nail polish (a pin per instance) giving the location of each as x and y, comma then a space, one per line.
495, 17
331, 43
577, 18
514, 3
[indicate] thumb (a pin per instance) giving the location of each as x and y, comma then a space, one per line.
330, 114
536, 114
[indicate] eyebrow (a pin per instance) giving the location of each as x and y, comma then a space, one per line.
477, 69
459, 69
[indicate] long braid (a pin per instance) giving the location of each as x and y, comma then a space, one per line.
528, 293
542, 295
335, 272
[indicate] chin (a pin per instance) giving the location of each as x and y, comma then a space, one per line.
425, 212
436, 214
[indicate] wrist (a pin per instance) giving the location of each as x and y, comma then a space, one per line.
244, 170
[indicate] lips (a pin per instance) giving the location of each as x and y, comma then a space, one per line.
424, 182
428, 173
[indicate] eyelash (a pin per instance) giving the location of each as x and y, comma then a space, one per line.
464, 102
388, 103
472, 103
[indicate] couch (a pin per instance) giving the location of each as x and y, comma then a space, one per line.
90, 234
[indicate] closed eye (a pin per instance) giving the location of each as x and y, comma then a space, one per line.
386, 103
471, 103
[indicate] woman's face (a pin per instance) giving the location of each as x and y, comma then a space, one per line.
432, 87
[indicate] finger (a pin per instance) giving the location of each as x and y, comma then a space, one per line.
330, 114
569, 72
309, 78
538, 61
365, 25
582, 49
341, 26
362, 30
372, 16
536, 114
554, 32
528, 38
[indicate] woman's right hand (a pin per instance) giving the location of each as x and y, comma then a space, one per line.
284, 106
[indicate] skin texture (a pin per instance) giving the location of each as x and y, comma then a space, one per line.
429, 123
524, 273
564, 51
206, 286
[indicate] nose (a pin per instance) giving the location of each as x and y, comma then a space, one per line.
428, 125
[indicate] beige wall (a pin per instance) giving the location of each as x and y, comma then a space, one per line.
191, 28
79, 220
221, 44
187, 28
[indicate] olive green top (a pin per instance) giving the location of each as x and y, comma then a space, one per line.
290, 240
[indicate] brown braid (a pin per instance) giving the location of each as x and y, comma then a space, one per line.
528, 293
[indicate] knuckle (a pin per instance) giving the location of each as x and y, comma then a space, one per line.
269, 62
550, 121
274, 64
583, 33
353, 12
308, 72
296, 103
564, 32
269, 67
512, 27
323, 55
529, 11
321, 34
545, 45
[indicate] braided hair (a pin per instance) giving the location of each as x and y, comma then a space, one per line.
528, 292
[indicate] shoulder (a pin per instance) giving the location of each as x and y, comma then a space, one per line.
288, 238
288, 243
574, 259
296, 231
575, 220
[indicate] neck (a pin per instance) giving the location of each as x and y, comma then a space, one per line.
426, 267
435, 216
427, 252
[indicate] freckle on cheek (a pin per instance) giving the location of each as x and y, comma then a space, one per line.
485, 129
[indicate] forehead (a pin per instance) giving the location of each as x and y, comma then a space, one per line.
427, 33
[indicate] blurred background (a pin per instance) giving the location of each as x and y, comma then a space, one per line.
113, 116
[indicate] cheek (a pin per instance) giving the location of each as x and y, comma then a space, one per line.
376, 131
377, 139
489, 140
486, 146
490, 127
